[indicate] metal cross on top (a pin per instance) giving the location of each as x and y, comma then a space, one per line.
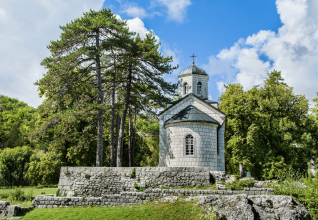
193, 59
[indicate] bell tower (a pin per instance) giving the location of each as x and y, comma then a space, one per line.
194, 80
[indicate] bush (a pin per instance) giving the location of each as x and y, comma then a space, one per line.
58, 192
133, 173
76, 193
310, 198
45, 168
17, 195
87, 176
39, 186
140, 188
29, 195
240, 185
67, 172
14, 165
305, 190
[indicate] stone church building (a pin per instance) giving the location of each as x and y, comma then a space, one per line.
192, 128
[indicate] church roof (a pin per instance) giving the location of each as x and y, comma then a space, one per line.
190, 94
191, 114
193, 69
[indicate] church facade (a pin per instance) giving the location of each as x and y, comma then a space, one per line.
192, 128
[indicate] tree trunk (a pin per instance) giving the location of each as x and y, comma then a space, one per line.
116, 143
111, 150
123, 119
129, 141
99, 152
133, 139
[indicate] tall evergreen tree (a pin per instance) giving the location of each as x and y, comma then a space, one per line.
145, 70
75, 66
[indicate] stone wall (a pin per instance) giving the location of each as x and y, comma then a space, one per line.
217, 176
205, 148
12, 210
99, 181
126, 198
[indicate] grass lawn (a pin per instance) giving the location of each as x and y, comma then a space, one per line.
4, 193
178, 210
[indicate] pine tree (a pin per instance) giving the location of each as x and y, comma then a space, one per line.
144, 76
74, 81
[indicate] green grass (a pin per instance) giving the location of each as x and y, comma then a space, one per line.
178, 210
5, 193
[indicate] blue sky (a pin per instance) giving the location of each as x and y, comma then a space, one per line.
204, 28
234, 41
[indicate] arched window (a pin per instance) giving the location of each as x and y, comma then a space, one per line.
185, 88
199, 88
189, 146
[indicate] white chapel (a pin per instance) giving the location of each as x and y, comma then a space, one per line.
192, 128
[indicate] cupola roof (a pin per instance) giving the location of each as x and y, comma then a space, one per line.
193, 69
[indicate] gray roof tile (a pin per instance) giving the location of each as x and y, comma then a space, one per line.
191, 114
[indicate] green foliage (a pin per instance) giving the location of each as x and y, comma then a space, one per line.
44, 168
16, 120
289, 175
133, 173
87, 176
302, 189
240, 185
67, 172
17, 195
75, 84
267, 128
141, 188
309, 177
58, 192
76, 192
30, 194
147, 149
39, 186
310, 198
14, 164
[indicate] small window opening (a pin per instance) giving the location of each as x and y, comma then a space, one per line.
185, 88
199, 88
189, 145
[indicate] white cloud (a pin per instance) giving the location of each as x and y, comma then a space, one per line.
177, 9
168, 52
170, 79
220, 86
118, 17
134, 11
138, 26
26, 28
293, 51
210, 97
2, 15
